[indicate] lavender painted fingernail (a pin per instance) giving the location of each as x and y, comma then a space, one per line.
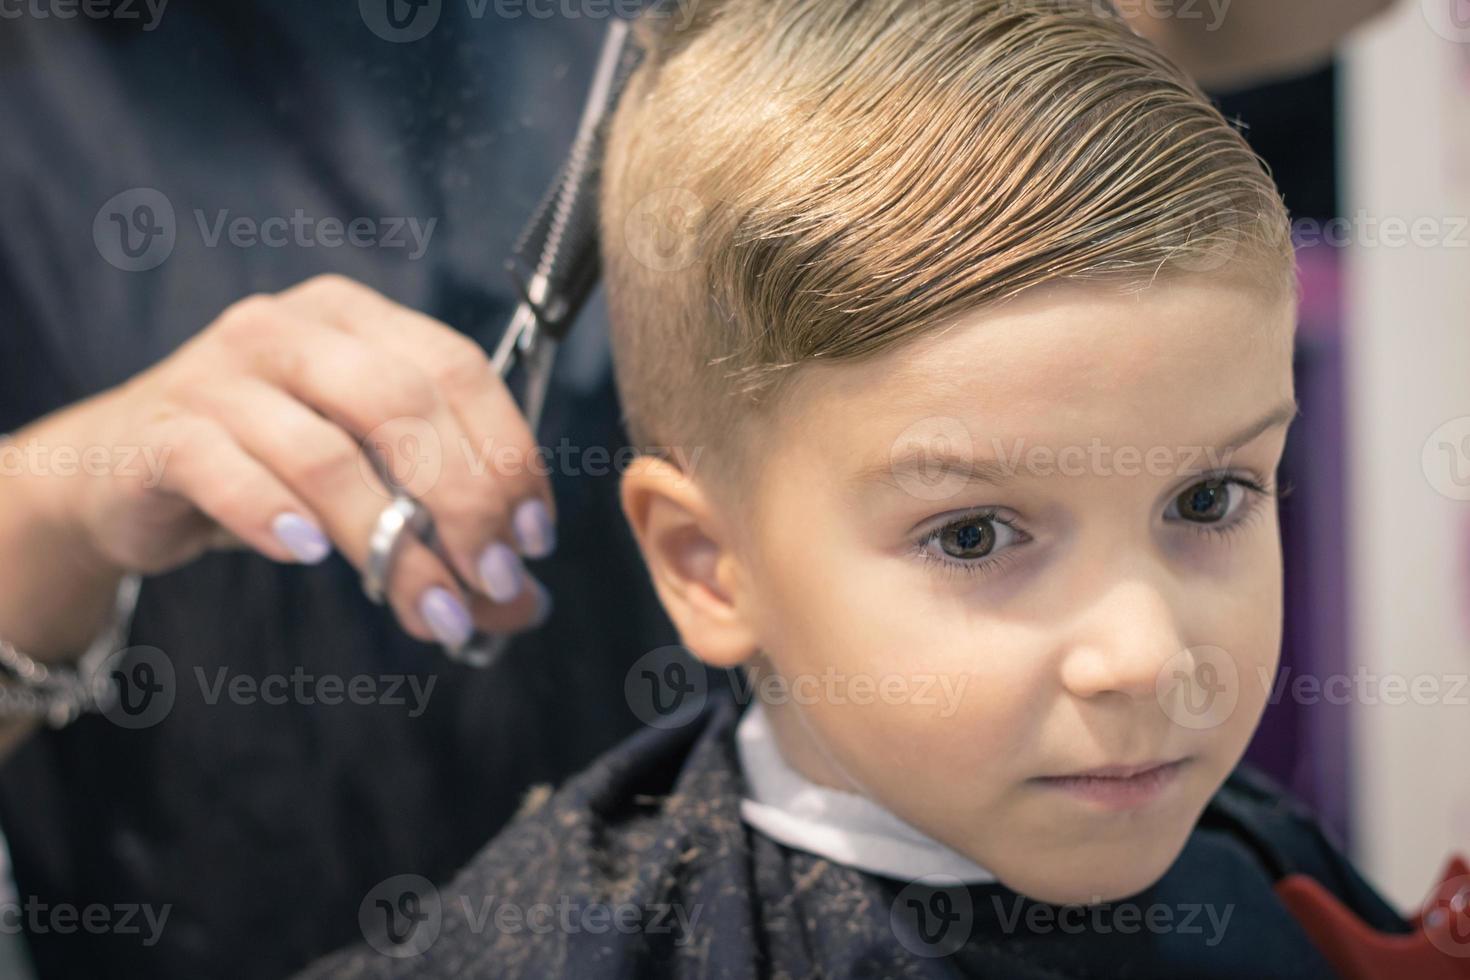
301, 537
447, 617
533, 530
501, 573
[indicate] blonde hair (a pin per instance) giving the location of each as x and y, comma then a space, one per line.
791, 181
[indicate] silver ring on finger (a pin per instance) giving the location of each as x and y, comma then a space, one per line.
404, 513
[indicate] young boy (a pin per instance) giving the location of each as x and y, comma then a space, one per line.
982, 320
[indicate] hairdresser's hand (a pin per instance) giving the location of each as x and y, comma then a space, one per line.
1228, 44
254, 431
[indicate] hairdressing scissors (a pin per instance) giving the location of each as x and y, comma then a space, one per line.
556, 263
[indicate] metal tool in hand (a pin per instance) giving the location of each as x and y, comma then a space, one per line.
556, 263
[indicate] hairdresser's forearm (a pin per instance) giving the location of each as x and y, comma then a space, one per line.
58, 590
56, 595
1231, 43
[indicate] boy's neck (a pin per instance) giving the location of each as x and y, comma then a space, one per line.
848, 828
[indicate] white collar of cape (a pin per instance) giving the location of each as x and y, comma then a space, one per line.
845, 828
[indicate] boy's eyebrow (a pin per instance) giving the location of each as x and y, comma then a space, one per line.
932, 467
1282, 414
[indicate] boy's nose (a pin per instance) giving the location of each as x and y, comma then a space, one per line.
1121, 642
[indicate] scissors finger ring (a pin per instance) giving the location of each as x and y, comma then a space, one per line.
404, 513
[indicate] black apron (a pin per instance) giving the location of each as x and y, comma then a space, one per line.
641, 867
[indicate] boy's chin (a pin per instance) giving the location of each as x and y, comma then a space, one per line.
1090, 890
1092, 878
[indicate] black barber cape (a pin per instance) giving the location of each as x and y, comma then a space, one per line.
642, 867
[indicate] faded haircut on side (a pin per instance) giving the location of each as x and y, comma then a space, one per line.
798, 181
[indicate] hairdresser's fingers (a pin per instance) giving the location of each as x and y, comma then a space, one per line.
528, 612
223, 539
248, 502
320, 464
403, 421
501, 447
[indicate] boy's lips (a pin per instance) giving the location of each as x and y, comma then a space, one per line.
1117, 772
1123, 787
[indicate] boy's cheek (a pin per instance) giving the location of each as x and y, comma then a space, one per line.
938, 744
902, 686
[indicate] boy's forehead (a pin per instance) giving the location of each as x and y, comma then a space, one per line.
944, 449
1174, 366
1083, 339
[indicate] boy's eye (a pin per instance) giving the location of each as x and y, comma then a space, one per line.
982, 541
1205, 503
968, 540
1211, 501
972, 544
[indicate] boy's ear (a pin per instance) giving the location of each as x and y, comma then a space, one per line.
685, 545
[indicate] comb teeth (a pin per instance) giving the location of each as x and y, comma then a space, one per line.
556, 263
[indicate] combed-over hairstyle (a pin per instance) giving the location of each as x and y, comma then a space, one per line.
797, 181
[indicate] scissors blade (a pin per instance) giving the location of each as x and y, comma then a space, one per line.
527, 350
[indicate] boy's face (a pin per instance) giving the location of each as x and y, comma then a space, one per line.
1089, 582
